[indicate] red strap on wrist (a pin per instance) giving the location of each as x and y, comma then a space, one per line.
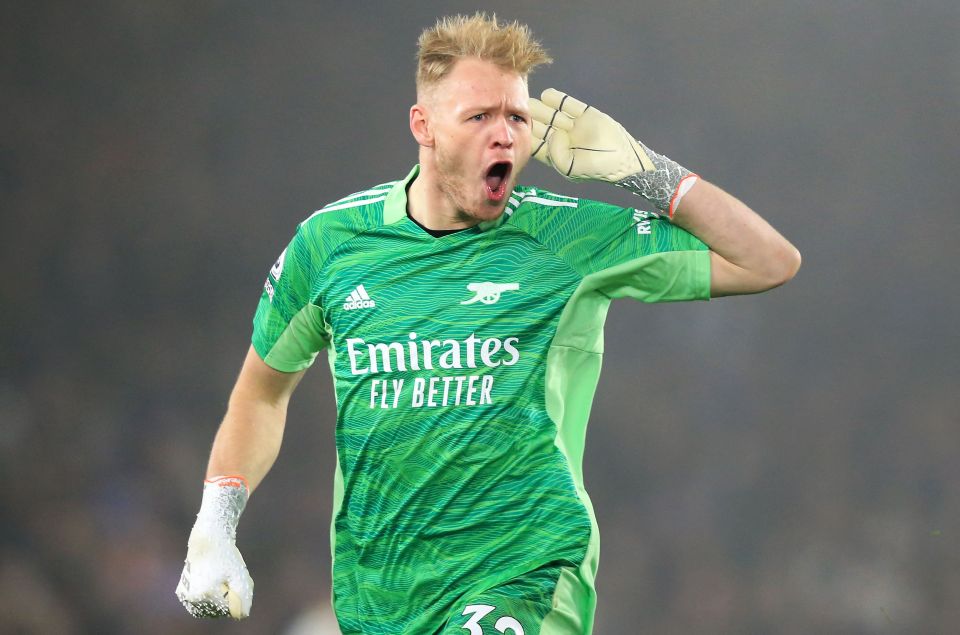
682, 188
228, 481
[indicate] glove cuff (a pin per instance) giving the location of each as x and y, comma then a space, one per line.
224, 498
664, 186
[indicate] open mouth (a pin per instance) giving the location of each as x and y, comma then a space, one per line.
496, 180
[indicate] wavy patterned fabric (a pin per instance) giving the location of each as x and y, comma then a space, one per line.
464, 367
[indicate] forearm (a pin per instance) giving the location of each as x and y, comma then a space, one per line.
748, 255
248, 441
215, 581
753, 256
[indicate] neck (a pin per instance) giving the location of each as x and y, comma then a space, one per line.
430, 206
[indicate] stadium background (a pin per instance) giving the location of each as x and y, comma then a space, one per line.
785, 463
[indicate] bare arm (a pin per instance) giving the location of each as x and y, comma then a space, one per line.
215, 581
249, 437
747, 254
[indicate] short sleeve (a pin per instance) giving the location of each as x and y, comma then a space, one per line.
628, 252
289, 328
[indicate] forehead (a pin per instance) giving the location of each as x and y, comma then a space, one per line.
475, 82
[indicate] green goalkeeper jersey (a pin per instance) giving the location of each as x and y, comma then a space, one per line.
464, 368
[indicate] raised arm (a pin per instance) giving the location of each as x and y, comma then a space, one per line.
582, 143
215, 581
747, 254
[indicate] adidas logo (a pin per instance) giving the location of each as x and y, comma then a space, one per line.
358, 299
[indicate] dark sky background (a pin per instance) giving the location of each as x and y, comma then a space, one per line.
783, 463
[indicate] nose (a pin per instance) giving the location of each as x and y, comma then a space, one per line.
502, 134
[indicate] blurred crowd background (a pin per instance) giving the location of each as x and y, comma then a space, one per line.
783, 463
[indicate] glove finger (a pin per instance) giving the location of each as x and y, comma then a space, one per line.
563, 102
541, 112
539, 131
540, 150
548, 116
206, 608
201, 603
561, 154
235, 602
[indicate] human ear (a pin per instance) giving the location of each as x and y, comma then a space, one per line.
420, 125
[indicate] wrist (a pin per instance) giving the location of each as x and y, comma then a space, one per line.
664, 186
224, 498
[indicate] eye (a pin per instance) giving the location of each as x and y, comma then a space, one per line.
518, 118
478, 117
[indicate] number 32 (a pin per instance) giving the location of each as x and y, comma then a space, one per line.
504, 624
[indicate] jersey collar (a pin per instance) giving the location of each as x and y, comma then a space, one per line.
395, 207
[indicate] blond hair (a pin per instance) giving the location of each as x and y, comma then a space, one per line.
509, 46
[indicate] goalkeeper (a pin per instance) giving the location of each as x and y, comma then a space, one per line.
462, 315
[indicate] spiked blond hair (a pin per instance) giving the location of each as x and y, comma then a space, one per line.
509, 46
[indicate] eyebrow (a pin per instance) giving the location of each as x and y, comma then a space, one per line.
488, 107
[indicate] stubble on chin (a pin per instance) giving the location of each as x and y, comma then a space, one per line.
453, 184
450, 180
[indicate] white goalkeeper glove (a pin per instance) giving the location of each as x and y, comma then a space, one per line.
584, 144
215, 581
